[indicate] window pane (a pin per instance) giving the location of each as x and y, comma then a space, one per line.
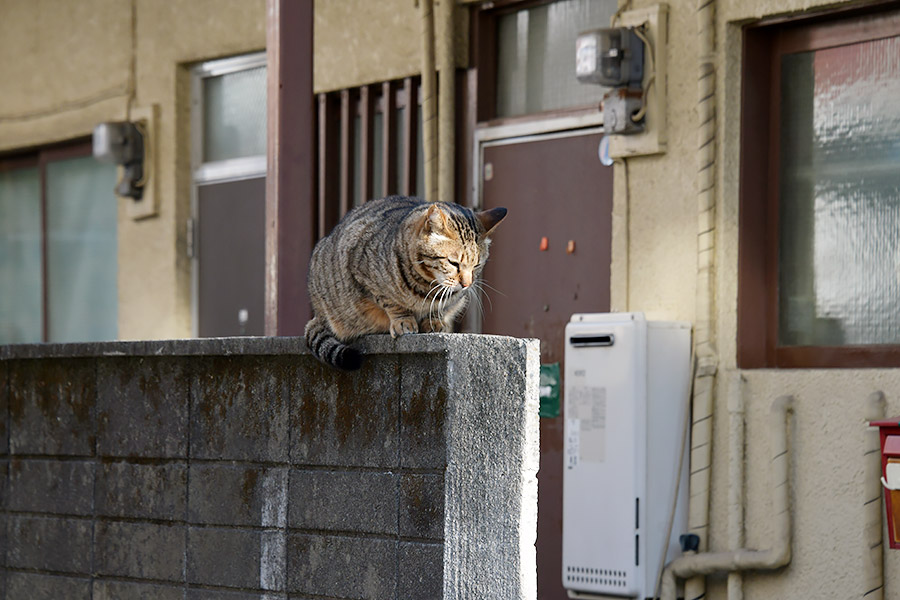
536, 56
234, 115
839, 262
20, 256
81, 251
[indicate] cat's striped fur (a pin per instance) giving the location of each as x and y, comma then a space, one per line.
396, 265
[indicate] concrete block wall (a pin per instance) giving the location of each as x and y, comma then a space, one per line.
242, 469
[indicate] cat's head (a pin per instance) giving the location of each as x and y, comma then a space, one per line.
453, 243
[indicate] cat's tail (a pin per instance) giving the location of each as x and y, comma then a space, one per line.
329, 349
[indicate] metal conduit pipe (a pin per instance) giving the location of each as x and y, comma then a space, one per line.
446, 103
873, 549
429, 102
743, 559
736, 478
704, 329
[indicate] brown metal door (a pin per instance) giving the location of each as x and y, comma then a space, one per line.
232, 257
550, 258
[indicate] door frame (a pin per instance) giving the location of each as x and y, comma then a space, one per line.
222, 171
519, 133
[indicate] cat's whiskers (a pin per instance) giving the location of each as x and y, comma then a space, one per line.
485, 284
475, 293
439, 287
478, 286
440, 304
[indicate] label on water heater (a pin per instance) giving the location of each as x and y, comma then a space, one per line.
585, 425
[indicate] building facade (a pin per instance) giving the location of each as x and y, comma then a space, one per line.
760, 204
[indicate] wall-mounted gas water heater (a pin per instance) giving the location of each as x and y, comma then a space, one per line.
626, 399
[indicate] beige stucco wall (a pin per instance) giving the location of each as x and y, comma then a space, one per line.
361, 41
660, 248
67, 66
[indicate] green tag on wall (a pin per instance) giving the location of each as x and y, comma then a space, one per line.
550, 390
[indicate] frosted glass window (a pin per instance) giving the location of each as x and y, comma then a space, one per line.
82, 264
536, 56
234, 115
20, 257
839, 179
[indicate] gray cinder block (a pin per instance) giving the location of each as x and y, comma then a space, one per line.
36, 586
142, 491
239, 409
51, 406
51, 486
143, 407
49, 544
140, 550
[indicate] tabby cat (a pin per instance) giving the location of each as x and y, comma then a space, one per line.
396, 265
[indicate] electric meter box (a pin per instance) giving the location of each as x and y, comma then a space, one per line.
626, 398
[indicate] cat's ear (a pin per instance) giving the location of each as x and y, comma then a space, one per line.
490, 219
435, 220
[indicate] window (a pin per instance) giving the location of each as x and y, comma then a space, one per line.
228, 196
526, 57
820, 194
58, 247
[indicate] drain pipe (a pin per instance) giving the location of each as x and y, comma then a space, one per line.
736, 478
704, 330
873, 561
690, 565
429, 102
446, 102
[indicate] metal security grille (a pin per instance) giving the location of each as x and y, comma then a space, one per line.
369, 146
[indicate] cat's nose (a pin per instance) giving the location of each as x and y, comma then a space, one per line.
465, 278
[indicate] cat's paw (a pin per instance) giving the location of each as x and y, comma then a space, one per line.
432, 325
403, 325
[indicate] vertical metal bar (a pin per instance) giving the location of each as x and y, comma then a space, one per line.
410, 136
429, 102
290, 189
329, 157
367, 145
346, 170
388, 139
446, 147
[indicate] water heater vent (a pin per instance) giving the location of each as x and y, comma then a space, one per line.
595, 577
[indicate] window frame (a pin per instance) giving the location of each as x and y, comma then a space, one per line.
758, 318
39, 158
485, 52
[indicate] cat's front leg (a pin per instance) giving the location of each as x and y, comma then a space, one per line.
402, 321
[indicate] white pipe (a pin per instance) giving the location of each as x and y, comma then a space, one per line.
736, 479
446, 103
779, 554
704, 329
873, 548
429, 102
